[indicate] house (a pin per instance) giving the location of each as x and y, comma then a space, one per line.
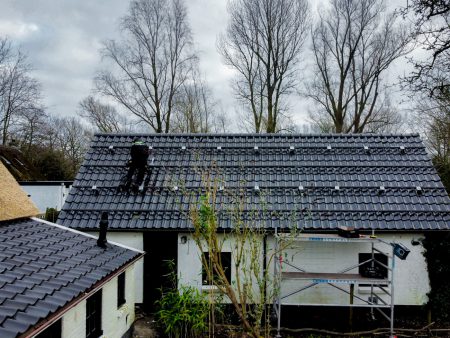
56, 281
383, 186
47, 194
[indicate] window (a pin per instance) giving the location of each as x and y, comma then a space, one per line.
380, 271
226, 263
121, 290
94, 315
53, 331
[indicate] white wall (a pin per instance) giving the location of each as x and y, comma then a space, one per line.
47, 196
134, 240
115, 321
411, 276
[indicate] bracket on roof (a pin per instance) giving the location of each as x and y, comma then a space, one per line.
402, 150
111, 149
150, 148
328, 147
366, 149
221, 188
419, 191
183, 147
381, 190
301, 189
219, 148
175, 188
256, 149
95, 190
291, 150
256, 189
337, 188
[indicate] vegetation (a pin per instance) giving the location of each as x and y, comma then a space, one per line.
182, 312
437, 246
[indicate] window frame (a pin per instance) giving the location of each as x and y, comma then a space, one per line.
225, 257
121, 288
94, 315
380, 257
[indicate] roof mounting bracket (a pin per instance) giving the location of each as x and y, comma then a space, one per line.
183, 147
219, 148
111, 149
328, 147
256, 189
381, 190
366, 149
291, 149
95, 190
256, 149
419, 191
402, 150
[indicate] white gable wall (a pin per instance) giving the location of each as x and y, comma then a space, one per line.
133, 240
115, 321
411, 276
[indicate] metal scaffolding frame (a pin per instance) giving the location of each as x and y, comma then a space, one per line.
374, 302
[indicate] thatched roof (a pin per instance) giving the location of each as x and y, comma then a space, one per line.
14, 202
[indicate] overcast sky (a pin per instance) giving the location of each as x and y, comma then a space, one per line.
63, 37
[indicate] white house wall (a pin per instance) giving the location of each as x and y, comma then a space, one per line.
411, 275
115, 321
133, 240
190, 266
47, 196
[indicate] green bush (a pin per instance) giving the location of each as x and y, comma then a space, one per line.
182, 312
51, 215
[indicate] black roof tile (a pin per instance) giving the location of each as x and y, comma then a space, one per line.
45, 267
277, 170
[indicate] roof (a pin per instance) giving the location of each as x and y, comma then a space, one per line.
44, 266
14, 202
18, 165
312, 181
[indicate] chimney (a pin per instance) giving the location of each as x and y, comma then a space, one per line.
101, 242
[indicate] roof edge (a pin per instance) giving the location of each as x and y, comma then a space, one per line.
87, 235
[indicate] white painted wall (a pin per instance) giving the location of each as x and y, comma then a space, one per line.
47, 196
134, 240
411, 283
115, 321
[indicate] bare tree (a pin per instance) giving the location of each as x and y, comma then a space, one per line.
18, 90
195, 108
104, 117
71, 138
432, 32
354, 43
31, 129
153, 61
263, 43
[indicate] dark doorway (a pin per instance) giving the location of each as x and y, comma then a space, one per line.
160, 247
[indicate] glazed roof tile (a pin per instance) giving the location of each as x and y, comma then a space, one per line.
358, 164
44, 267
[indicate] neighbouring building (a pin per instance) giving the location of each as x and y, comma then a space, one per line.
381, 185
47, 194
56, 281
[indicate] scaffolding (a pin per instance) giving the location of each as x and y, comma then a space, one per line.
339, 278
